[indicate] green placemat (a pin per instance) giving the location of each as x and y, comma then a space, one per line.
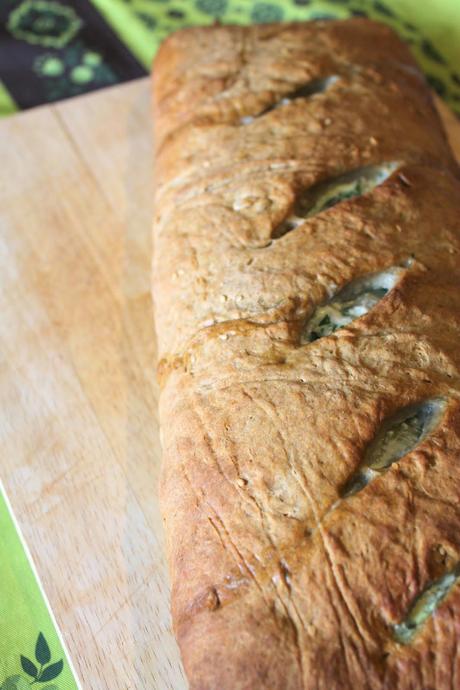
32, 653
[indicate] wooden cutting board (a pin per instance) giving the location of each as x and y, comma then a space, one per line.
78, 427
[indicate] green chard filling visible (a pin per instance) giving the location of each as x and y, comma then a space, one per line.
348, 186
309, 89
353, 301
305, 91
327, 194
425, 605
338, 314
398, 436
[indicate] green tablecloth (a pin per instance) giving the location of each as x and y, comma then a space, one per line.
53, 49
31, 651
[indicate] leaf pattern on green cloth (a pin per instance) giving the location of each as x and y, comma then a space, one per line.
42, 651
213, 7
264, 12
15, 683
42, 670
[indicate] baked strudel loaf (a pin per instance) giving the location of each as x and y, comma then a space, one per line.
307, 305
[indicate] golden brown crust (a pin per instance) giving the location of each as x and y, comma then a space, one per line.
280, 580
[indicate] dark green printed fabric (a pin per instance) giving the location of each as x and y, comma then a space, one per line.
54, 49
51, 50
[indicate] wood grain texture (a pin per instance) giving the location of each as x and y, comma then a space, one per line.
79, 434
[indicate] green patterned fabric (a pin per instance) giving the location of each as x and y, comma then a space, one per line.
31, 652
